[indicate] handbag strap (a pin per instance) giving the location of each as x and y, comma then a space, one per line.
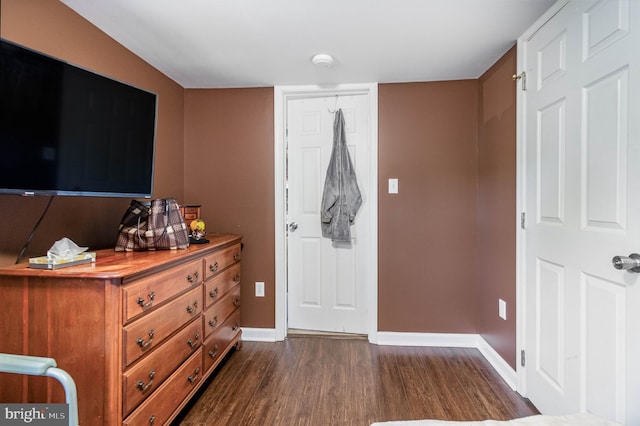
165, 214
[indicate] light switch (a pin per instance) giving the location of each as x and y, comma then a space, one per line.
502, 309
393, 186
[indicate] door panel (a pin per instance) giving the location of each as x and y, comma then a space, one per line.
605, 326
604, 182
327, 281
582, 168
551, 153
550, 289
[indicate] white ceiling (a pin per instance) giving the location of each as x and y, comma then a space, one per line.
249, 43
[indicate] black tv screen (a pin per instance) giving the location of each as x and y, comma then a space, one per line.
65, 130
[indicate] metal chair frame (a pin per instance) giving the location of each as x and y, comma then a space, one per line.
40, 366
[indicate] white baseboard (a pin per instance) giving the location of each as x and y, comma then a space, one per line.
476, 341
428, 339
501, 366
259, 334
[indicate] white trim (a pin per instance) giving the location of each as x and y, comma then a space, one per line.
281, 95
428, 339
498, 363
280, 115
520, 233
504, 370
521, 199
475, 341
259, 334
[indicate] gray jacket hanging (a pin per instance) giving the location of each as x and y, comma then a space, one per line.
341, 197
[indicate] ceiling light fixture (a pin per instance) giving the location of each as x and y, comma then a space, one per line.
322, 60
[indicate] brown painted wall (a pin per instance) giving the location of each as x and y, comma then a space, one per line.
427, 232
446, 241
229, 147
497, 205
427, 139
51, 27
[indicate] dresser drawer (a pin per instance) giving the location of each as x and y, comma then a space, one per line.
162, 403
219, 341
142, 379
218, 313
147, 332
144, 294
220, 260
217, 286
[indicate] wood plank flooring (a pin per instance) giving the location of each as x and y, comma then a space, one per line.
332, 381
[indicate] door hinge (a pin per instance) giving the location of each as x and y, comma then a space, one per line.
522, 76
523, 220
522, 363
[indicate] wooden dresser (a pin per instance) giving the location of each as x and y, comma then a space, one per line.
138, 332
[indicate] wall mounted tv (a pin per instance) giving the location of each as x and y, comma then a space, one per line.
68, 131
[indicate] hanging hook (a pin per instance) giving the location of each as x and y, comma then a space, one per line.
335, 106
522, 76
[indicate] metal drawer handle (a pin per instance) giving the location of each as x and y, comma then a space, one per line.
235, 327
236, 257
236, 302
213, 322
236, 278
192, 308
152, 419
214, 267
194, 342
140, 300
214, 351
140, 341
193, 278
142, 387
193, 378
214, 293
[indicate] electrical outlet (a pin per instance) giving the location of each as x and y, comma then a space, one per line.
259, 289
502, 309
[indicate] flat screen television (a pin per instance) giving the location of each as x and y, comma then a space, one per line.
65, 130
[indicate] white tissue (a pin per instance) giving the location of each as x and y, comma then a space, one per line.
64, 249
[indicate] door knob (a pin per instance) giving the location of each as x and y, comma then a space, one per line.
631, 263
293, 226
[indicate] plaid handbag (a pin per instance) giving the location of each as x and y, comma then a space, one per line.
156, 227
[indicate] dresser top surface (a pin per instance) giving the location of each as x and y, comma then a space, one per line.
112, 265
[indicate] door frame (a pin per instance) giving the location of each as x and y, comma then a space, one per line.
282, 94
521, 195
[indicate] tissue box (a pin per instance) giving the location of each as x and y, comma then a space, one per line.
43, 262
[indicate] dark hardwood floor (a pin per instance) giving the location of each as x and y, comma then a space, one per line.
333, 381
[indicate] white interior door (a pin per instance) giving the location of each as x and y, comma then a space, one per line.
327, 283
582, 175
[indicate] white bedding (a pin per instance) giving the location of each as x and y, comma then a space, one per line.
539, 420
